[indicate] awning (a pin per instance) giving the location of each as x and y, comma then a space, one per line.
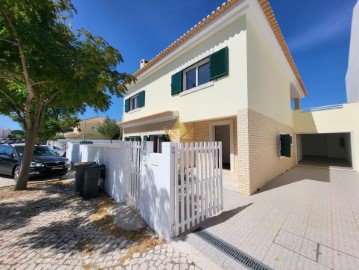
151, 119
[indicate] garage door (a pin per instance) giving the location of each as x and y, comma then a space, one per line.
325, 150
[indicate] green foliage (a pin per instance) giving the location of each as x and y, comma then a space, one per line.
45, 66
58, 136
109, 128
54, 124
18, 134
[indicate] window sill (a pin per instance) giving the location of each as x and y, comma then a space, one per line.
135, 110
195, 89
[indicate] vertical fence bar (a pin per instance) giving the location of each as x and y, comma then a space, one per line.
216, 171
188, 218
192, 185
197, 184
176, 204
182, 188
210, 178
221, 175
202, 182
205, 152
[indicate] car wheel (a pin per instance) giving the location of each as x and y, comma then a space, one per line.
16, 173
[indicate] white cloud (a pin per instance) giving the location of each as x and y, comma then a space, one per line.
332, 27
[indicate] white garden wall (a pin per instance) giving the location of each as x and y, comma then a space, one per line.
157, 183
157, 189
115, 157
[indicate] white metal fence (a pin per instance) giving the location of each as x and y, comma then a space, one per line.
135, 168
198, 183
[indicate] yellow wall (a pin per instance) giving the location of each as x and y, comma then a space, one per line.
268, 84
345, 119
224, 98
90, 130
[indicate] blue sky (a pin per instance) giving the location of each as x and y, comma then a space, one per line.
317, 34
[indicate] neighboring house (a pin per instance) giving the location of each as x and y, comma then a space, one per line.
4, 133
231, 78
87, 130
352, 78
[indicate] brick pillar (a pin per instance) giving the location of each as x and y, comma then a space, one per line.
243, 151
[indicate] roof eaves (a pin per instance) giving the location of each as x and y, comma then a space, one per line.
267, 10
216, 13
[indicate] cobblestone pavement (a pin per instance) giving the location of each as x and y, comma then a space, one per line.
49, 227
308, 218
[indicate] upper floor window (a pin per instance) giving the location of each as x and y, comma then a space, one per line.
197, 74
209, 69
134, 102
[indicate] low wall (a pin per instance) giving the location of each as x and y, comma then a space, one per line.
156, 202
157, 189
115, 157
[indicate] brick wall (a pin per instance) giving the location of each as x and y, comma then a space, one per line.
258, 159
185, 132
201, 133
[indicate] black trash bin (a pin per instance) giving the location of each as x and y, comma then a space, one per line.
80, 174
93, 181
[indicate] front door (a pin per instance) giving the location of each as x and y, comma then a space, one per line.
222, 134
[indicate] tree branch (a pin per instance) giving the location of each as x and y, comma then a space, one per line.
17, 110
24, 69
38, 83
51, 98
8, 41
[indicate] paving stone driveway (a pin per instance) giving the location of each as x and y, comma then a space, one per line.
308, 218
49, 227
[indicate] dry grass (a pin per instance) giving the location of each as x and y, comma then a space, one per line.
104, 222
90, 266
85, 246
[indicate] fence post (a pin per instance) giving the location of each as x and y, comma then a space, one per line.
173, 181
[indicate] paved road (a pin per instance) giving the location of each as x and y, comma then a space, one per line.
48, 226
308, 218
6, 181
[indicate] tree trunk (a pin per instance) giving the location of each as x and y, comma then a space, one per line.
21, 183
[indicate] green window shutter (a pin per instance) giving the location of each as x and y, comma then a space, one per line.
138, 138
218, 63
146, 138
127, 105
165, 138
127, 138
176, 83
285, 144
141, 99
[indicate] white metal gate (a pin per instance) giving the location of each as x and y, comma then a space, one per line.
135, 167
198, 183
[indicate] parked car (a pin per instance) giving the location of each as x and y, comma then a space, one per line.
45, 162
60, 151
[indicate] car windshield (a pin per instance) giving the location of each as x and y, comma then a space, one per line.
38, 151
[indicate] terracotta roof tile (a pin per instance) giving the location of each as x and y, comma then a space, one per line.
215, 14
